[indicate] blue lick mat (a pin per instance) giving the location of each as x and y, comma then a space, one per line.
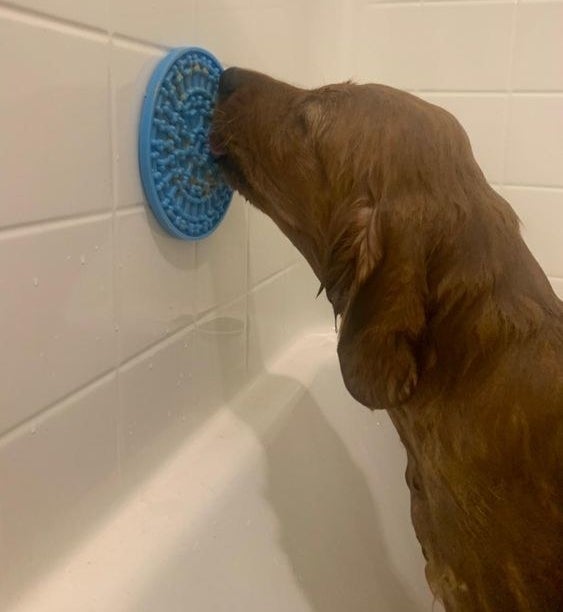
182, 181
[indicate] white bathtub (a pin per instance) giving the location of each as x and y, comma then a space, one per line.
290, 500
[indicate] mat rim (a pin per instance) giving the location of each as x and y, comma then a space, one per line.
145, 142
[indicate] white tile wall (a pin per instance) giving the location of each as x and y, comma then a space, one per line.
164, 22
84, 13
221, 260
535, 207
56, 313
434, 46
112, 334
538, 47
155, 280
534, 144
131, 66
269, 250
54, 103
49, 472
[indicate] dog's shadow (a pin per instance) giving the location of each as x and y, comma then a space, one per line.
328, 521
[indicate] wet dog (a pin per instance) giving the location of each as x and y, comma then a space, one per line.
447, 320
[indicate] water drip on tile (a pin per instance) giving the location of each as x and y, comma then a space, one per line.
82, 260
35, 281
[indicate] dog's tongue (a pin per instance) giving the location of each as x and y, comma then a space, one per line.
216, 145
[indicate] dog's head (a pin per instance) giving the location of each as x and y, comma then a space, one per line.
380, 192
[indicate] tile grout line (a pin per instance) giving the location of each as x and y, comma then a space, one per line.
138, 44
14, 12
33, 227
508, 109
44, 413
116, 299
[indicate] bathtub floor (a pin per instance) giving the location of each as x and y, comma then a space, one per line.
290, 500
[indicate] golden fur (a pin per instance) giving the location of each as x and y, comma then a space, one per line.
447, 321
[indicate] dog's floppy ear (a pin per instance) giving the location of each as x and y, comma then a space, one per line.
376, 280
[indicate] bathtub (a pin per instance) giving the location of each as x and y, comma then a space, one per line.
291, 499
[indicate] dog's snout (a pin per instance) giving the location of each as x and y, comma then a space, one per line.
229, 81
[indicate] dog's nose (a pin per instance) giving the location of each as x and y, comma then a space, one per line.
228, 82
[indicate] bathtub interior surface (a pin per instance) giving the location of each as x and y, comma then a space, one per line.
291, 499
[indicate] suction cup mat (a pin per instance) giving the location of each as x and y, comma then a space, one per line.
182, 180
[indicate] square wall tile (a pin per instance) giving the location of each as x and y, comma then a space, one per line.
276, 39
269, 250
51, 472
131, 68
222, 30
268, 39
484, 120
155, 282
388, 45
88, 13
267, 323
538, 47
170, 23
56, 314
157, 396
465, 46
54, 120
305, 311
534, 144
541, 213
221, 260
220, 349
436, 46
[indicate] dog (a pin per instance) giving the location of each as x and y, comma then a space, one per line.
446, 319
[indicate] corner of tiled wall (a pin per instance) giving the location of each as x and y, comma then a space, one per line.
113, 334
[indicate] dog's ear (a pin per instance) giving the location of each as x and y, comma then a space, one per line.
354, 250
381, 262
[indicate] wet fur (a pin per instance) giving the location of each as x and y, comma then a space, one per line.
447, 320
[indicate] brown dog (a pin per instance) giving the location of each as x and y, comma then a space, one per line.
447, 321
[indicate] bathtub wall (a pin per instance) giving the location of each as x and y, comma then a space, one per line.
112, 334
496, 65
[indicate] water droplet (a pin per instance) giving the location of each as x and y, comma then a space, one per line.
116, 328
82, 260
150, 366
378, 423
68, 257
130, 432
35, 281
33, 429
96, 248
185, 345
